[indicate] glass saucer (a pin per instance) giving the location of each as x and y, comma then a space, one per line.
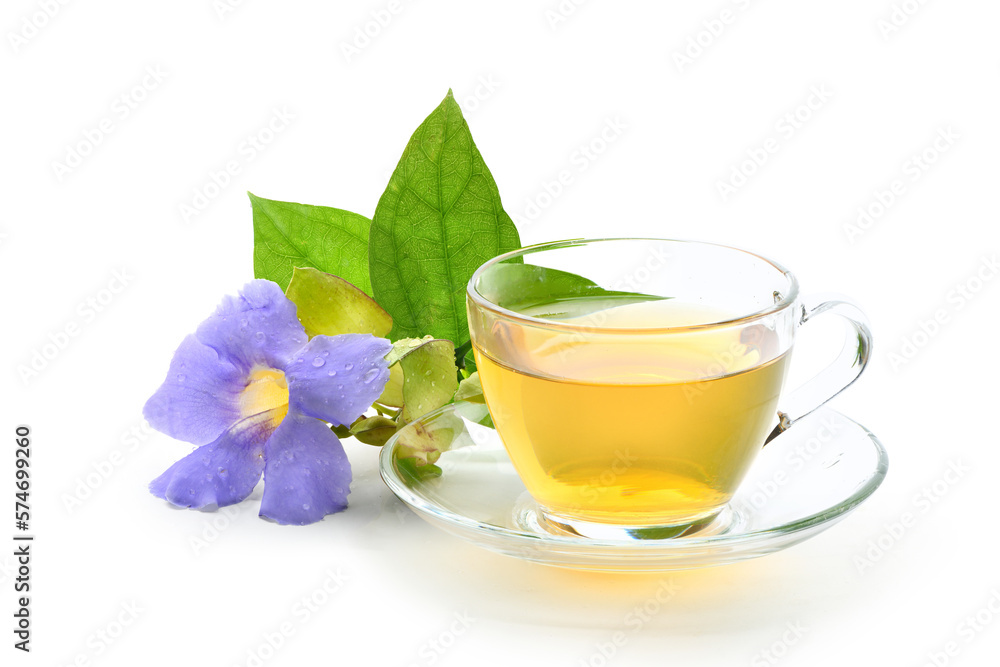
802, 483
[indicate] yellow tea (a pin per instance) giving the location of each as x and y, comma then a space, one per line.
642, 428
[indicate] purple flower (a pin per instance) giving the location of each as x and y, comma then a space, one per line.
253, 392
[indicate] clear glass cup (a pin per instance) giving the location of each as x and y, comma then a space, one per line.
634, 381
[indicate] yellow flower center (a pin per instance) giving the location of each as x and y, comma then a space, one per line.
266, 391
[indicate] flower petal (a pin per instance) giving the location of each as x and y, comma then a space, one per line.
221, 473
336, 378
199, 400
258, 327
306, 472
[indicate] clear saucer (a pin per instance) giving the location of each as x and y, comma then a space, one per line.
802, 483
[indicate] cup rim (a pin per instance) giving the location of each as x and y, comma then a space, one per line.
473, 293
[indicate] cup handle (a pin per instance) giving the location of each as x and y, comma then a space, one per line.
837, 376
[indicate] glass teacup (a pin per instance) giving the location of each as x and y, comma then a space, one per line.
634, 381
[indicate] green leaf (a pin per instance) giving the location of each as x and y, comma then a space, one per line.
424, 442
331, 306
373, 430
429, 379
438, 220
341, 431
543, 292
404, 346
470, 390
392, 395
416, 472
288, 235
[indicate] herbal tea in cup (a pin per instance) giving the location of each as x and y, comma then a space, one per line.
634, 381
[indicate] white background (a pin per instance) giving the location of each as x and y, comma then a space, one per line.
555, 84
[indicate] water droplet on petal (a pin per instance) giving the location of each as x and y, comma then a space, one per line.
326, 353
370, 375
331, 373
260, 336
181, 377
305, 507
244, 323
340, 386
348, 367
318, 361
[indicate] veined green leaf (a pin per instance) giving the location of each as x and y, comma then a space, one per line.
429, 379
438, 220
417, 473
331, 306
424, 443
373, 430
288, 235
392, 395
543, 292
470, 390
